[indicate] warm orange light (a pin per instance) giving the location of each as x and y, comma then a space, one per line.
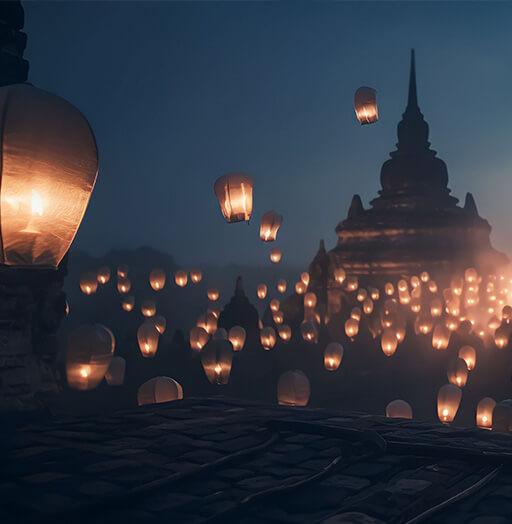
351, 327
361, 295
457, 372
300, 288
448, 401
158, 390
216, 358
128, 303
340, 275
310, 300
309, 331
234, 192
123, 285
365, 105
196, 276
275, 255
368, 306
278, 317
157, 279
281, 286
304, 276
213, 294
268, 338
148, 308
293, 389
484, 412
389, 289
351, 283
388, 342
88, 282
275, 305
285, 332
262, 291
198, 338
333, 355
270, 224
181, 278
103, 274
440, 337
237, 336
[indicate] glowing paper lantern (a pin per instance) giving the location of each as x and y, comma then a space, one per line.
88, 282
158, 390
415, 281
468, 354
196, 276
398, 409
310, 300
285, 332
388, 342
432, 287
340, 275
89, 350
237, 337
262, 291
234, 192
333, 355
181, 278
300, 288
49, 168
275, 255
148, 308
278, 317
270, 224
368, 306
501, 336
275, 305
456, 285
157, 279
448, 401
213, 294
122, 270
281, 285
352, 283
374, 293
457, 372
128, 303
103, 274
309, 331
211, 323
440, 337
160, 323
484, 411
389, 289
361, 295
147, 337
304, 277
116, 371
351, 327
216, 358
214, 309
123, 285
268, 338
365, 105
471, 275
355, 313
415, 305
198, 338
424, 277
293, 388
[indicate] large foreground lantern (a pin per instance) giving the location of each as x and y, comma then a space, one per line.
270, 224
157, 279
448, 401
234, 192
48, 171
484, 411
398, 409
468, 353
159, 389
293, 388
365, 105
89, 283
333, 354
216, 358
457, 372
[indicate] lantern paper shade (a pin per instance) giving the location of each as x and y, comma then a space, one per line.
148, 308
275, 305
388, 341
122, 270
268, 338
440, 337
128, 303
262, 291
103, 274
398, 409
270, 224
484, 412
340, 275
300, 288
88, 283
278, 317
304, 277
310, 300
89, 351
285, 332
468, 353
213, 294
157, 279
365, 105
281, 285
236, 336
275, 255
198, 338
158, 390
457, 372
216, 358
234, 192
116, 370
181, 278
160, 323
220, 334
501, 336
123, 285
147, 337
351, 327
293, 388
196, 276
48, 170
333, 355
309, 331
448, 401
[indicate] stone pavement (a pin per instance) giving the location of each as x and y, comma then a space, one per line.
222, 460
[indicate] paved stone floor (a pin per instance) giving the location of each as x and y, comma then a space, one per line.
221, 460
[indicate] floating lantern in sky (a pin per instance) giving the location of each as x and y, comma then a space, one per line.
356, 313
160, 323
424, 277
216, 358
103, 274
237, 337
493, 323
340, 275
116, 371
123, 285
270, 224
128, 303
285, 332
484, 412
281, 285
398, 409
275, 255
234, 192
448, 401
457, 372
440, 337
157, 279
365, 105
368, 306
352, 283
262, 291
122, 270
389, 289
278, 317
275, 305
89, 351
374, 293
268, 338
181, 278
198, 338
213, 294
310, 300
304, 277
436, 307
333, 355
293, 389
432, 287
388, 341
88, 282
309, 331
468, 353
147, 337
196, 276
351, 327
214, 309
415, 281
148, 308
158, 390
49, 168
456, 285
362, 294
501, 336
300, 288
471, 275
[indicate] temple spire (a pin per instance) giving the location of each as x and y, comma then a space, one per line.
412, 102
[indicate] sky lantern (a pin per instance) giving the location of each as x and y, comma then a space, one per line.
268, 338
293, 388
160, 323
216, 358
196, 276
285, 332
157, 279
278, 317
362, 294
275, 305
402, 285
468, 354
452, 323
270, 224
457, 372
440, 337
304, 276
374, 293
309, 331
116, 371
400, 327
88, 281
262, 291
158, 390
237, 336
147, 337
404, 297
356, 313
340, 275
123, 285
181, 278
368, 306
424, 277
415, 281
432, 287
89, 351
471, 275
281, 285
210, 323
122, 270
388, 341
310, 300
234, 192
352, 283
494, 322
103, 274
416, 292
415, 305
484, 410
275, 255
436, 307
365, 105
448, 401
398, 409
351, 327
214, 309
49, 168
300, 288
148, 308
128, 303
501, 336
456, 285
333, 355
198, 338
213, 294
389, 289
506, 314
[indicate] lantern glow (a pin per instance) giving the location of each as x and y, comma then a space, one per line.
234, 192
365, 105
270, 224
